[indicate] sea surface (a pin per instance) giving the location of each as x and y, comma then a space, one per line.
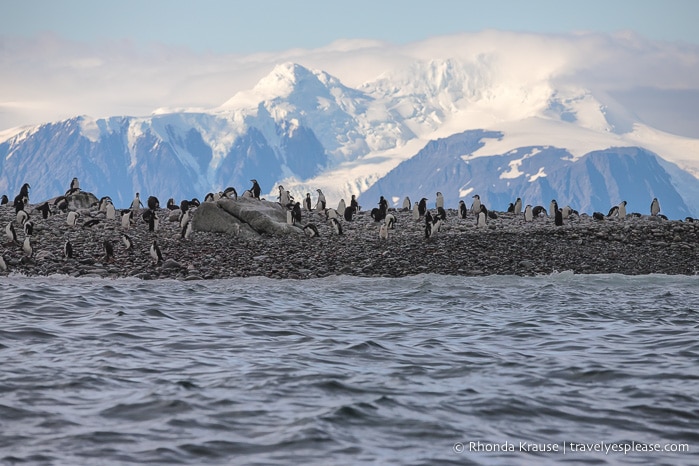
558, 369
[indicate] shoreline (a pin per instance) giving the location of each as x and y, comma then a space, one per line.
506, 246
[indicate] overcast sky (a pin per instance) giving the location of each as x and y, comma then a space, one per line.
63, 58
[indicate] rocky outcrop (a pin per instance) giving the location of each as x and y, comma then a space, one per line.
245, 217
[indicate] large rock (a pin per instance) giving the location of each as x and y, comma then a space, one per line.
244, 217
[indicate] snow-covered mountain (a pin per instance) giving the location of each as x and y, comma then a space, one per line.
443, 125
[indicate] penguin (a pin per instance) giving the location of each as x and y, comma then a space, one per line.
3, 264
441, 214
567, 211
255, 190
307, 202
231, 193
29, 228
558, 217
416, 212
155, 253
10, 233
136, 203
654, 207
74, 185
613, 211
22, 217
462, 209
440, 200
349, 213
518, 206
4, 200
126, 219
341, 206
378, 214
171, 204
102, 205
296, 213
45, 210
209, 197
553, 207
67, 250
354, 204
24, 192
383, 205
186, 231
283, 196
61, 203
481, 219
126, 239
310, 230
185, 205
622, 209
335, 224
406, 204
108, 251
476, 206
111, 211
422, 207
595, 215
511, 208
390, 221
383, 231
428, 225
528, 213
184, 219
331, 213
153, 203
91, 223
538, 210
153, 222
320, 205
194, 202
72, 218
27, 247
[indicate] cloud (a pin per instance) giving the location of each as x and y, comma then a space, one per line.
47, 77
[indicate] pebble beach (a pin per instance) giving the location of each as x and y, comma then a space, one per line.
507, 245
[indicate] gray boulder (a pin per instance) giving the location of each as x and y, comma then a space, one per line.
245, 217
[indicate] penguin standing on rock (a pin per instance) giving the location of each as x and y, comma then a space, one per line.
307, 202
558, 218
27, 247
72, 218
108, 251
136, 203
45, 210
186, 231
296, 213
255, 190
155, 253
320, 205
406, 204
440, 200
68, 250
655, 207
518, 206
126, 239
462, 209
422, 207
311, 230
11, 233
335, 224
476, 206
383, 231
528, 213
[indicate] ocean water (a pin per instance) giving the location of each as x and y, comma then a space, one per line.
572, 369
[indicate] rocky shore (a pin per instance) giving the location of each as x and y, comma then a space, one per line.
220, 249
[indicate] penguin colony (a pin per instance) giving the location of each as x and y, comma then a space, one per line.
150, 237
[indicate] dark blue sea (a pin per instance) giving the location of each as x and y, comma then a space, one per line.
425, 370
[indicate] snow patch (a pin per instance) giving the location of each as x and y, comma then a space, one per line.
539, 174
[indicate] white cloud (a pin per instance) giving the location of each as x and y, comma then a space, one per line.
48, 78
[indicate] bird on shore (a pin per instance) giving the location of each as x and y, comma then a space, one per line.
335, 224
136, 203
22, 217
3, 264
108, 251
155, 253
406, 204
528, 213
44, 209
476, 206
341, 206
518, 206
27, 247
383, 231
68, 250
255, 190
126, 239
320, 204
558, 218
422, 207
186, 231
153, 203
72, 218
538, 210
655, 207
311, 230
439, 201
29, 228
462, 209
4, 200
10, 233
